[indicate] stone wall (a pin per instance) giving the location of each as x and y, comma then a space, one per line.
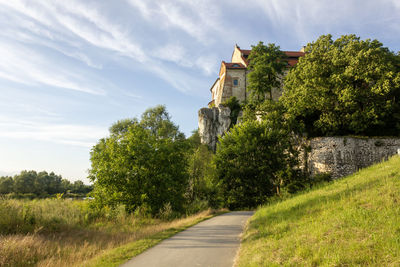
213, 122
342, 156
339, 156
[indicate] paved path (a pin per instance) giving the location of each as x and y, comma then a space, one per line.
213, 242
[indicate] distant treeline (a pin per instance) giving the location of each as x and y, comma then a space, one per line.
41, 184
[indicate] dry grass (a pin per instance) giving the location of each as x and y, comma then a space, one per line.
65, 238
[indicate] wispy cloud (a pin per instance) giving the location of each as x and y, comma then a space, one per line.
195, 18
173, 53
79, 20
299, 22
87, 32
71, 134
16, 67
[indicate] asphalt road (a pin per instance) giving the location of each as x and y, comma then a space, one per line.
213, 242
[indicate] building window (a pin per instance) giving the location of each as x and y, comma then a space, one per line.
235, 82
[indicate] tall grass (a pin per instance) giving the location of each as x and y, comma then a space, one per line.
58, 232
50, 215
354, 221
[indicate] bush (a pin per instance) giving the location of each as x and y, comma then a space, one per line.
252, 162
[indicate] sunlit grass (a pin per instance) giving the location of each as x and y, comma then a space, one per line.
55, 232
354, 221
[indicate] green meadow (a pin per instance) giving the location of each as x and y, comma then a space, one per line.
354, 221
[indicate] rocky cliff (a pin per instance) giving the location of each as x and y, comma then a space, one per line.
213, 122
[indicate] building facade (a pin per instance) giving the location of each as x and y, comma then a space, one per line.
232, 77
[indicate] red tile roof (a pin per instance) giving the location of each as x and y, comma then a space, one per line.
245, 52
292, 62
233, 65
293, 56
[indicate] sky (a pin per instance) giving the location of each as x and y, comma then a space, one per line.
70, 69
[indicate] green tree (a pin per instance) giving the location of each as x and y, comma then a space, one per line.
158, 121
267, 64
65, 186
345, 86
252, 162
144, 165
194, 140
78, 187
53, 183
202, 185
6, 185
24, 183
122, 126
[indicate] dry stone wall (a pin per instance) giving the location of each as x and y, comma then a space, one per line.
339, 156
342, 156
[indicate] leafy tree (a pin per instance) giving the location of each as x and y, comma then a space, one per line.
158, 121
194, 140
252, 161
143, 165
65, 186
49, 183
122, 126
201, 181
345, 86
40, 184
202, 185
267, 64
78, 187
25, 182
6, 185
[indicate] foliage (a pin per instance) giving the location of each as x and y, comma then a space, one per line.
40, 184
122, 126
345, 86
252, 161
194, 141
6, 185
158, 121
349, 222
202, 189
267, 64
233, 104
143, 164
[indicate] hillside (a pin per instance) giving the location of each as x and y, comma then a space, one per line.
354, 221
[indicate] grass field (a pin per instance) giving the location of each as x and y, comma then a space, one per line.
57, 232
354, 221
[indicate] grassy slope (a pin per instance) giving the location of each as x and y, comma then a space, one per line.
354, 221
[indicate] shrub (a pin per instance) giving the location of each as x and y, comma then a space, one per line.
252, 162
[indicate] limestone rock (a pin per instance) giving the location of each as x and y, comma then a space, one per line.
213, 122
343, 155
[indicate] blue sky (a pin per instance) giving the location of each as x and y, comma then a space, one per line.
69, 69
